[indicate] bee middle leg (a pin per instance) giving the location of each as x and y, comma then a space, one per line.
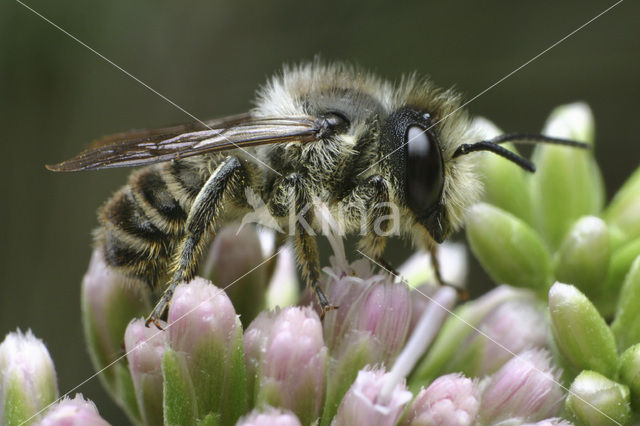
225, 185
291, 190
369, 203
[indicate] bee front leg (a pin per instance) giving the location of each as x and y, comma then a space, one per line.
225, 185
292, 191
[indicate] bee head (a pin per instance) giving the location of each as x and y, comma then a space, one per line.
409, 134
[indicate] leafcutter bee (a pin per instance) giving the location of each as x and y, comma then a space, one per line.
330, 132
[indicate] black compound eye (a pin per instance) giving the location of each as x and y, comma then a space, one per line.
424, 170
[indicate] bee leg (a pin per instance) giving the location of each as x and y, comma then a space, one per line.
387, 266
225, 184
292, 191
435, 263
376, 219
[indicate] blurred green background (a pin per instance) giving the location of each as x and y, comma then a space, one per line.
209, 57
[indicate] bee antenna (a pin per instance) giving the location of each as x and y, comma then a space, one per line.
492, 145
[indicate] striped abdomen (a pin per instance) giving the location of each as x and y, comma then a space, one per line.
143, 222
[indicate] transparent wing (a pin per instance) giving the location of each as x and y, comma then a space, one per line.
141, 147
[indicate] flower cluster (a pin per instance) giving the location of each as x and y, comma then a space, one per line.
252, 350
581, 257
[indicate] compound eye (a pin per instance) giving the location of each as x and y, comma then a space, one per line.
424, 170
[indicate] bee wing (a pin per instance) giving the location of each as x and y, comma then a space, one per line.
159, 134
142, 147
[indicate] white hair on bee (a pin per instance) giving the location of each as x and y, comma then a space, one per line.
285, 93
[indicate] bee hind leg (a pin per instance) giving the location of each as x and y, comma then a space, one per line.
226, 184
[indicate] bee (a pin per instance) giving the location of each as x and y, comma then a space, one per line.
327, 132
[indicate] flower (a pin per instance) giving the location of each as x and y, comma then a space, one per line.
110, 301
629, 372
27, 378
525, 388
286, 353
365, 403
145, 348
581, 334
73, 412
450, 400
596, 400
232, 258
492, 232
269, 417
205, 342
474, 339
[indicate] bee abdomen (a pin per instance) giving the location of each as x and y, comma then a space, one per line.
144, 221
153, 195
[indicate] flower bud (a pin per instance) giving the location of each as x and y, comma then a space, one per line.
145, 348
27, 378
255, 341
629, 373
492, 233
506, 185
526, 388
293, 362
110, 300
623, 213
440, 357
205, 330
619, 265
581, 334
596, 400
270, 417
234, 255
567, 183
583, 258
73, 412
626, 327
365, 404
283, 289
371, 327
512, 327
450, 400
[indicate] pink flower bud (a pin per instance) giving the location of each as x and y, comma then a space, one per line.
206, 332
372, 305
286, 352
234, 255
269, 417
199, 312
27, 377
73, 412
364, 403
450, 400
145, 347
110, 300
516, 325
526, 388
